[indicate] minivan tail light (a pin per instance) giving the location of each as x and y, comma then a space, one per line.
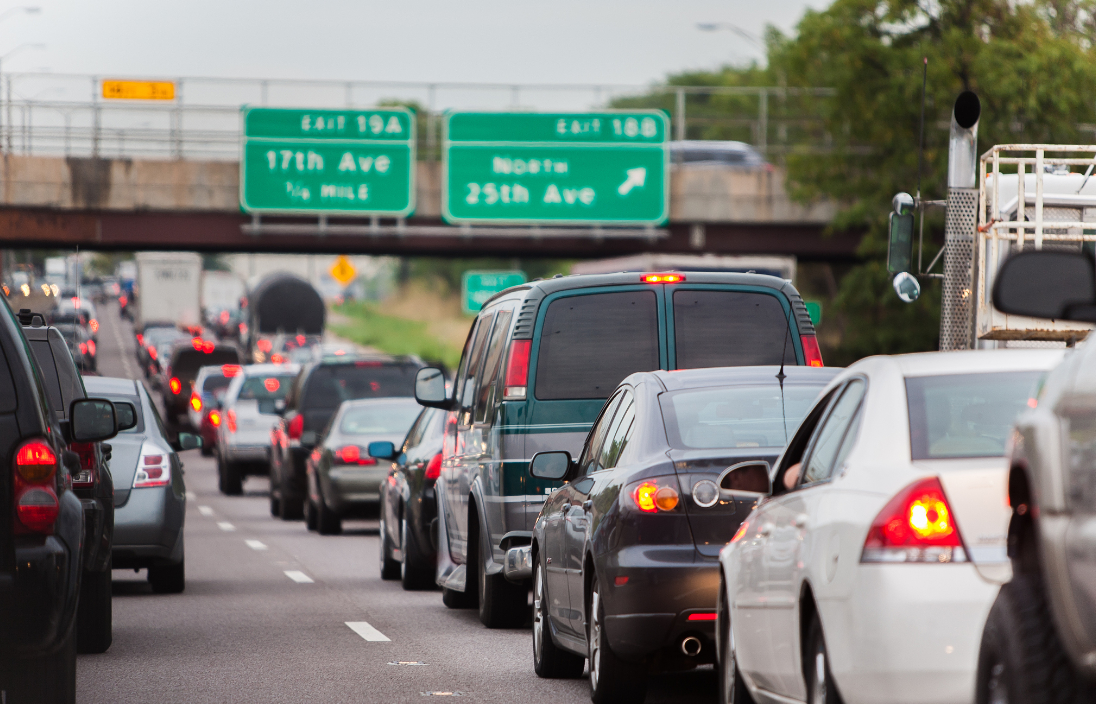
153, 468
433, 470
296, 427
812, 356
517, 371
917, 525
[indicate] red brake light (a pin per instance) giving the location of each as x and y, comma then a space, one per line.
301, 340
705, 616
662, 278
122, 300
152, 352
655, 495
271, 384
812, 356
230, 370
208, 347
296, 427
276, 359
195, 402
35, 461
215, 418
264, 345
36, 504
352, 454
37, 509
175, 384
83, 348
917, 525
738, 534
94, 325
91, 347
140, 339
231, 420
433, 470
196, 343
224, 317
517, 370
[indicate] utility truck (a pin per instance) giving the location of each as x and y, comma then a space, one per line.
168, 288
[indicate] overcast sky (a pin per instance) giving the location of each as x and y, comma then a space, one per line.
527, 41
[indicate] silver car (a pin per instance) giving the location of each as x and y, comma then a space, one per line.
149, 495
248, 410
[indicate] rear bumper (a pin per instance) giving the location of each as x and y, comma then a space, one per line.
246, 453
346, 489
148, 527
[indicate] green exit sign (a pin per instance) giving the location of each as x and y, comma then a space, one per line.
592, 168
478, 286
339, 162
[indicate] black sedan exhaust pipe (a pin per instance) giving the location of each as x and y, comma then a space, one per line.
691, 645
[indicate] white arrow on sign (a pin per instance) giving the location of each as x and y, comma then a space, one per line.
636, 177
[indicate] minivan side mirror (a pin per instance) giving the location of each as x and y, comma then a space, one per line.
746, 479
555, 466
92, 420
1047, 284
430, 389
382, 450
127, 415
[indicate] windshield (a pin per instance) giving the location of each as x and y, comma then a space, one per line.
735, 416
965, 415
330, 385
380, 418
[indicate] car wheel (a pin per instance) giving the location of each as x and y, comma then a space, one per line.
207, 450
549, 660
1022, 658
611, 679
93, 614
821, 689
502, 604
233, 479
168, 579
309, 514
327, 521
413, 574
290, 508
390, 569
732, 690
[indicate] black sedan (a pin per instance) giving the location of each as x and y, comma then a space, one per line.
409, 507
624, 554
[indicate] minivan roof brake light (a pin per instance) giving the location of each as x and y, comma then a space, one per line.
662, 278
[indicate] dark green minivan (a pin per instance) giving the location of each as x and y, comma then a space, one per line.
539, 363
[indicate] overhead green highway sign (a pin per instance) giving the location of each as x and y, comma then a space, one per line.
592, 168
478, 286
340, 162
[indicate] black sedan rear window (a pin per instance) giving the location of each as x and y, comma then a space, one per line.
730, 329
589, 343
330, 385
743, 416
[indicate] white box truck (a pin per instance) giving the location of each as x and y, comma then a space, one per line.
168, 288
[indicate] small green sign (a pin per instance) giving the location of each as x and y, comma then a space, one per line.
556, 168
814, 309
341, 162
478, 286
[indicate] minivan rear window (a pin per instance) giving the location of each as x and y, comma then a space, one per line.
589, 343
188, 362
330, 385
730, 329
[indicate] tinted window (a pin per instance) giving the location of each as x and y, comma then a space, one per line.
468, 384
379, 418
619, 433
330, 385
7, 385
829, 443
217, 382
597, 435
965, 415
266, 387
188, 362
43, 355
743, 416
589, 343
730, 329
491, 365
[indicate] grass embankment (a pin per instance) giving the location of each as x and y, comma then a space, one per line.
414, 321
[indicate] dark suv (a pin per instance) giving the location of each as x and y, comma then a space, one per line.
177, 379
317, 392
41, 525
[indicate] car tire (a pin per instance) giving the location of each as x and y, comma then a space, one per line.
612, 680
327, 521
821, 687
1022, 658
168, 579
275, 505
502, 604
207, 450
46, 679
233, 479
414, 574
549, 660
309, 514
94, 614
290, 509
732, 689
390, 569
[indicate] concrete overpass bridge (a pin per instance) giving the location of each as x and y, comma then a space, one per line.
131, 175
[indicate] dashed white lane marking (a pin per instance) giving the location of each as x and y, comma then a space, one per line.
366, 631
192, 496
298, 576
226, 526
255, 544
205, 510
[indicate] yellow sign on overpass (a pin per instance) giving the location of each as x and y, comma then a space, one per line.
139, 90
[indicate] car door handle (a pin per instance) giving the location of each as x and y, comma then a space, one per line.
587, 505
766, 530
802, 520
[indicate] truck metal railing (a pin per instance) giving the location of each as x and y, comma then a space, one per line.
1038, 202
66, 115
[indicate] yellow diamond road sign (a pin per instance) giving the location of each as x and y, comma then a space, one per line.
343, 271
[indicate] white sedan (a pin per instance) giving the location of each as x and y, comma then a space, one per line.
867, 571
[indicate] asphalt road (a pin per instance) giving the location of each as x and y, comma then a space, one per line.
273, 613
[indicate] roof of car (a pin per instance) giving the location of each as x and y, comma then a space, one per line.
725, 376
110, 385
966, 361
354, 403
265, 369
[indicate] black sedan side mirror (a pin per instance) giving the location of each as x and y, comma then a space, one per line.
746, 479
556, 465
187, 441
382, 450
127, 415
1047, 284
430, 389
92, 420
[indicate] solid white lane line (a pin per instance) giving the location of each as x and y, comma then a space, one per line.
255, 545
226, 526
298, 576
366, 631
205, 510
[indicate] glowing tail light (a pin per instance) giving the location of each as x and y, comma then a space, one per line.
196, 343
231, 420
85, 478
215, 418
517, 371
94, 325
196, 402
140, 340
175, 385
352, 454
654, 495
230, 370
917, 525
741, 532
662, 278
433, 470
83, 348
704, 616
152, 352
153, 468
91, 347
812, 356
296, 427
208, 347
36, 504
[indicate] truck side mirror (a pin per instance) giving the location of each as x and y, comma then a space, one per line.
1047, 284
900, 242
